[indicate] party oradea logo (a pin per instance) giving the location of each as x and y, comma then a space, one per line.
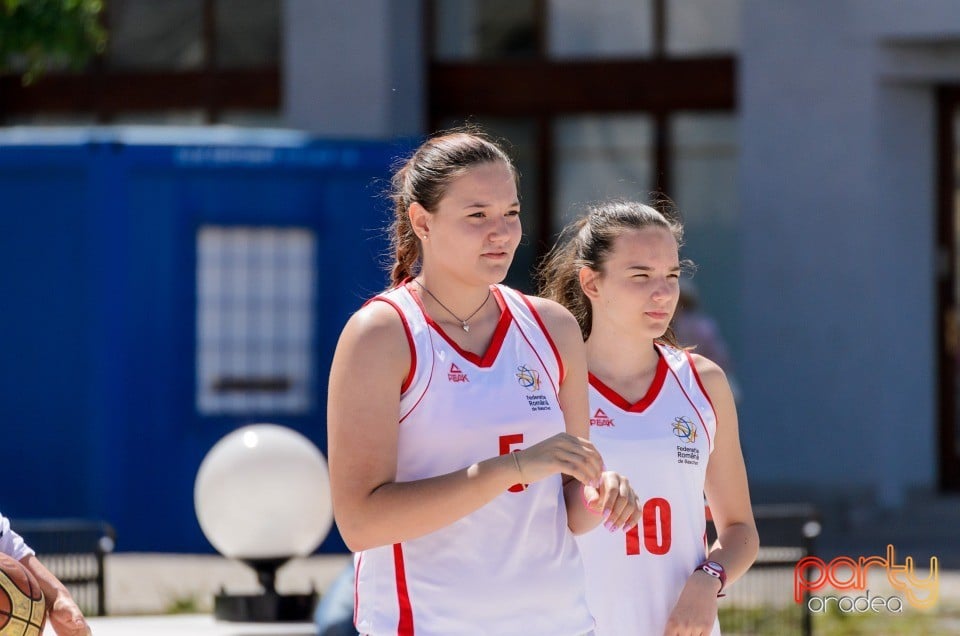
845, 574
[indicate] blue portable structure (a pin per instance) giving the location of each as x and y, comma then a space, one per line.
99, 280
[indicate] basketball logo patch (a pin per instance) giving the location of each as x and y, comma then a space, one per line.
528, 378
685, 429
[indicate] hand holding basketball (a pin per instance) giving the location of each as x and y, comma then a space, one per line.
22, 607
64, 616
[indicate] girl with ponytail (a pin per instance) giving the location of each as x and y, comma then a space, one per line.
663, 416
460, 459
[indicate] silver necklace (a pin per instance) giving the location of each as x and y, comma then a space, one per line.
462, 321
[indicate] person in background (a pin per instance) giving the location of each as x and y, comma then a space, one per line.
694, 327
334, 613
662, 416
62, 611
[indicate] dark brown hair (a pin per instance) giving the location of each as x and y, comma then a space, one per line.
424, 179
587, 242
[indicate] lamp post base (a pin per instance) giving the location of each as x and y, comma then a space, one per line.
264, 608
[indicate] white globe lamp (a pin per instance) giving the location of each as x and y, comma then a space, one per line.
262, 496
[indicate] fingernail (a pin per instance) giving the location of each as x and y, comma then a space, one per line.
606, 514
610, 526
586, 504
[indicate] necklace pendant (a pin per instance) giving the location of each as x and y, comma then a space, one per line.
466, 327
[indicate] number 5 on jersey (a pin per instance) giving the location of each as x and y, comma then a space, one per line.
656, 528
506, 441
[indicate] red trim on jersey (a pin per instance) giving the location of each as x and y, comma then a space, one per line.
423, 394
413, 350
683, 389
546, 333
356, 589
493, 349
696, 375
639, 407
405, 622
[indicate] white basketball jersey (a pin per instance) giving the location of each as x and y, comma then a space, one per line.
511, 567
11, 543
662, 444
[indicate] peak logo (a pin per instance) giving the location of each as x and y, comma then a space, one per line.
844, 573
456, 375
600, 419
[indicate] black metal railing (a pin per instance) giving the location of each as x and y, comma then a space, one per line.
762, 601
73, 550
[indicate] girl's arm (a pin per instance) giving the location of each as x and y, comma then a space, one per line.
610, 499
728, 494
64, 614
729, 498
363, 404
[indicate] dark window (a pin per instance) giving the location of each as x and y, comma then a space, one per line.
176, 61
609, 98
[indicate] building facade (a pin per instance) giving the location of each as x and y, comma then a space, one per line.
811, 146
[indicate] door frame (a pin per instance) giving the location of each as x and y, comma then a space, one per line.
946, 327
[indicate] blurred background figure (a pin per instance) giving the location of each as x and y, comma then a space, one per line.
334, 615
693, 327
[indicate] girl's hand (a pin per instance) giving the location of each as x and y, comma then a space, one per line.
615, 500
696, 609
562, 453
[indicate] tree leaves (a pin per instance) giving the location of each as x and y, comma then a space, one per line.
38, 35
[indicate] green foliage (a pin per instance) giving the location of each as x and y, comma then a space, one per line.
38, 34
761, 621
780, 621
183, 604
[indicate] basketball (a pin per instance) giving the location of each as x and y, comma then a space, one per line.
22, 609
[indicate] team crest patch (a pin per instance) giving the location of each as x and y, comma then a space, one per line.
600, 419
456, 375
685, 429
528, 378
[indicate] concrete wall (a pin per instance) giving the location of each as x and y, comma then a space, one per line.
838, 181
354, 69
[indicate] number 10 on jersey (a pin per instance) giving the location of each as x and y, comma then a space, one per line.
656, 528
